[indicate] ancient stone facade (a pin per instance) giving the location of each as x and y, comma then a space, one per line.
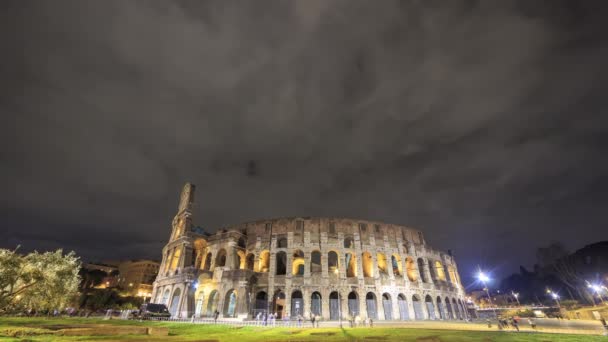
331, 267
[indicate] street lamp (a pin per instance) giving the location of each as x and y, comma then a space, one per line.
484, 280
555, 297
598, 290
516, 295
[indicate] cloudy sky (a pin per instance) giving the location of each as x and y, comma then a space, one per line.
482, 123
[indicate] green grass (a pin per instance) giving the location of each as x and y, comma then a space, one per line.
197, 332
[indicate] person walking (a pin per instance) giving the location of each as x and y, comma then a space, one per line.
532, 323
312, 320
371, 322
216, 314
515, 323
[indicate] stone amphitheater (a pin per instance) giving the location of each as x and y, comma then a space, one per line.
334, 268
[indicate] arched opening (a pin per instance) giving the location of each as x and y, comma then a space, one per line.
297, 264
212, 303
430, 307
440, 311
448, 307
207, 264
439, 271
404, 313
316, 304
412, 272
457, 313
452, 274
381, 260
418, 311
315, 262
282, 243
353, 304
165, 299
396, 263
351, 265
281, 263
423, 275
230, 304
220, 259
242, 242
261, 303
387, 304
264, 261
349, 242
334, 306
297, 304
175, 299
332, 262
368, 265
278, 304
239, 260
463, 310
198, 307
370, 303
249, 261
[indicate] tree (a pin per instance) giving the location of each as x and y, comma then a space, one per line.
43, 281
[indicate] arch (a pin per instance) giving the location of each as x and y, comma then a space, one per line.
239, 260
175, 299
230, 303
440, 311
278, 304
452, 274
462, 308
315, 262
281, 263
334, 306
387, 304
370, 303
249, 261
368, 265
381, 260
439, 271
418, 310
448, 308
353, 303
412, 272
165, 299
242, 243
264, 261
198, 307
297, 304
207, 264
396, 264
404, 313
457, 312
212, 303
220, 258
430, 307
423, 275
349, 242
351, 265
261, 303
282, 243
332, 262
297, 263
316, 303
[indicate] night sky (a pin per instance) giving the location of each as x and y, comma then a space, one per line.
482, 123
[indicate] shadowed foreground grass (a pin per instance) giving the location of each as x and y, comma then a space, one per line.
36, 329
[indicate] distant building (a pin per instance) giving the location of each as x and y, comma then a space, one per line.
91, 266
137, 276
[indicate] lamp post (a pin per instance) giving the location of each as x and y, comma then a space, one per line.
555, 296
516, 295
484, 280
598, 291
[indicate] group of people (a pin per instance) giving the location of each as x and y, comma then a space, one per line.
357, 321
513, 322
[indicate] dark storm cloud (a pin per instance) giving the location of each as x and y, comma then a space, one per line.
481, 123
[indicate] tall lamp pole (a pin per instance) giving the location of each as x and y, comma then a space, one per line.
516, 295
484, 280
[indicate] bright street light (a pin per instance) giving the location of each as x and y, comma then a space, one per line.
484, 279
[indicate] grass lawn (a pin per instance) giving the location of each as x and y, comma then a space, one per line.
33, 329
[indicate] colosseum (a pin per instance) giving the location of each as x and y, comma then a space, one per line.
334, 268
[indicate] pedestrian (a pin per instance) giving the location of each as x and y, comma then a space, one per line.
312, 320
265, 319
371, 322
532, 323
216, 314
515, 323
257, 318
490, 323
299, 320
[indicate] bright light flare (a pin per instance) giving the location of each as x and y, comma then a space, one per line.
483, 277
